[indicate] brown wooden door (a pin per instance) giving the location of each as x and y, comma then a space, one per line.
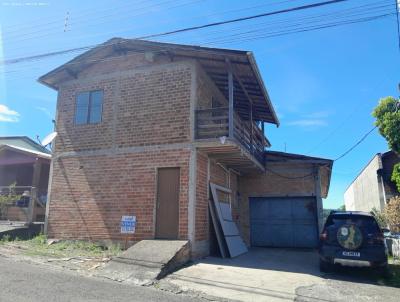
167, 214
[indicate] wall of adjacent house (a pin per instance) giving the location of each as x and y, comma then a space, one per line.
365, 193
106, 170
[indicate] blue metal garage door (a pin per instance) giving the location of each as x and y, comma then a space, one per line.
284, 222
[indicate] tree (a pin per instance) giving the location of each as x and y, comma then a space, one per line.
342, 208
387, 115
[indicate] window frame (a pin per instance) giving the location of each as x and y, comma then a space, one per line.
89, 107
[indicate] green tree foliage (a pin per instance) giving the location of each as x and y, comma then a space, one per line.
388, 121
396, 176
387, 115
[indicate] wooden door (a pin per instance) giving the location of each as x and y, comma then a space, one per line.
167, 213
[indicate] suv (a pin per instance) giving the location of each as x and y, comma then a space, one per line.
352, 239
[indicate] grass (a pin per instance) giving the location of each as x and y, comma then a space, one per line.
393, 276
38, 246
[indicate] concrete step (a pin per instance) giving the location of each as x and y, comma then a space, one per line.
147, 261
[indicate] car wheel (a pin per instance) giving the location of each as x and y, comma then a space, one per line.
325, 267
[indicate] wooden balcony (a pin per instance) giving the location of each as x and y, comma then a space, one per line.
236, 142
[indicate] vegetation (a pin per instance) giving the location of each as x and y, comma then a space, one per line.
380, 217
7, 198
342, 208
387, 115
392, 214
38, 246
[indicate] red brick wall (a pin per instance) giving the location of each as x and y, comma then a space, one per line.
144, 108
201, 226
144, 105
218, 175
90, 194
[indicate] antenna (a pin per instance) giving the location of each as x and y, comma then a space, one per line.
49, 138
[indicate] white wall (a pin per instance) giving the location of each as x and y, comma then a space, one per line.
365, 192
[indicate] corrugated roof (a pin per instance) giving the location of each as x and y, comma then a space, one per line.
23, 143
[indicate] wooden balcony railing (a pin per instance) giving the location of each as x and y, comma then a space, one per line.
214, 123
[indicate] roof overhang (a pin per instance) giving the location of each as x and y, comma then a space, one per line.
215, 61
25, 151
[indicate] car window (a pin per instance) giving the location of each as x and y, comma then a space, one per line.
368, 224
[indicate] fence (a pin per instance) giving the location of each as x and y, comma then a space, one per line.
22, 203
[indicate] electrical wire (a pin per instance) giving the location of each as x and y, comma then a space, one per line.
167, 33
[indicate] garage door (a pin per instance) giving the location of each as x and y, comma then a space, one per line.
283, 222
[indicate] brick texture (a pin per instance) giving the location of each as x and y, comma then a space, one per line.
90, 194
106, 170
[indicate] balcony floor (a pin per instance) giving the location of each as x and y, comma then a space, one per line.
231, 154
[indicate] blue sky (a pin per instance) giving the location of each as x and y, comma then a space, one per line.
323, 84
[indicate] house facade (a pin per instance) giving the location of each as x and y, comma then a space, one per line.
24, 172
373, 187
145, 127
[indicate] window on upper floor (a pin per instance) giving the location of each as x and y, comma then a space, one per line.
89, 107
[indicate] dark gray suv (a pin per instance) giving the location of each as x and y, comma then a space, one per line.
352, 239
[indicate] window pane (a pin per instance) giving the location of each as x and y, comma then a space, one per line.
82, 107
96, 106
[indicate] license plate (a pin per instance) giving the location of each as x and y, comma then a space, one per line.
351, 254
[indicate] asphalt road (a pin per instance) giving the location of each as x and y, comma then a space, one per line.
20, 281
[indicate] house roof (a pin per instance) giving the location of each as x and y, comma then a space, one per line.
325, 165
24, 144
248, 83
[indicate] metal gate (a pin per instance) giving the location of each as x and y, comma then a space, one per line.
284, 222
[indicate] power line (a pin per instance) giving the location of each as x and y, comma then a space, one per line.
398, 21
187, 29
273, 34
355, 145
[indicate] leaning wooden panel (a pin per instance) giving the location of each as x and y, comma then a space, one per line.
234, 242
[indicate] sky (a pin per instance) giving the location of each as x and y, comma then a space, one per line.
323, 83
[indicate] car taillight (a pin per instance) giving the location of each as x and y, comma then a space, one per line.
377, 238
323, 236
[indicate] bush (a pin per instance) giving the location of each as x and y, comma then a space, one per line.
380, 217
392, 214
396, 176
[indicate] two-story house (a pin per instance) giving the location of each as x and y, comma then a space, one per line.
145, 127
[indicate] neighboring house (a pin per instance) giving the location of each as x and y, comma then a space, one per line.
24, 169
145, 127
373, 187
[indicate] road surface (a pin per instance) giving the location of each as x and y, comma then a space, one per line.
26, 282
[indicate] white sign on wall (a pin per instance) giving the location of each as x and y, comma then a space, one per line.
128, 224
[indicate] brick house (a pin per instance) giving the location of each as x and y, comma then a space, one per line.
24, 171
145, 127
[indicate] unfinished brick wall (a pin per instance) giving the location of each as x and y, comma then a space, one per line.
91, 193
218, 175
202, 223
146, 107
106, 170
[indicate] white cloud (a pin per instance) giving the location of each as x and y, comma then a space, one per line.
308, 123
8, 115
